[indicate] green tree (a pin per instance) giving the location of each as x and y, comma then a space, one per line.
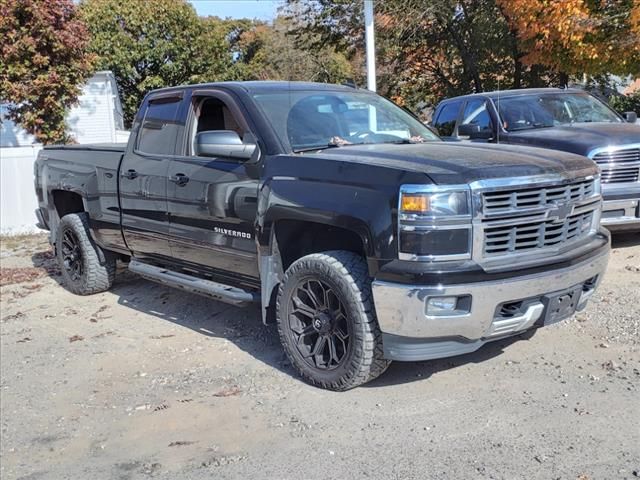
272, 52
43, 64
150, 44
626, 103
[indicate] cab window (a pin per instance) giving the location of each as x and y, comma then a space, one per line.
445, 123
159, 128
476, 113
211, 113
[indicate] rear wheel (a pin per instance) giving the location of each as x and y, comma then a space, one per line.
79, 257
327, 323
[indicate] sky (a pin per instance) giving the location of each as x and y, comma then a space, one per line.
260, 9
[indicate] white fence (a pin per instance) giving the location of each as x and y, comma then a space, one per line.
17, 194
97, 118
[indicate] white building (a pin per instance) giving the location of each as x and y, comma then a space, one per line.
96, 118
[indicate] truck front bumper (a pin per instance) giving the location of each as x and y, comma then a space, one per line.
491, 310
621, 207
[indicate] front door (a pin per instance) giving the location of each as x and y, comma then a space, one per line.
143, 179
212, 202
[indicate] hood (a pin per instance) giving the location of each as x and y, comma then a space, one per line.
579, 138
462, 163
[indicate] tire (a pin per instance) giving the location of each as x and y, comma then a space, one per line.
79, 257
328, 295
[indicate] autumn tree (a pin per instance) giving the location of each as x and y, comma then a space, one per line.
426, 50
43, 65
150, 44
576, 37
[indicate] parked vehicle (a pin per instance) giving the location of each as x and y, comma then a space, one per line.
366, 237
560, 119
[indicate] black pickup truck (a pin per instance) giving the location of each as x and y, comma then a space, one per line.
363, 236
570, 120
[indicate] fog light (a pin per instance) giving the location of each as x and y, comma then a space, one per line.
448, 306
441, 304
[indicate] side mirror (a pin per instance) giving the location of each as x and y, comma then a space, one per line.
630, 117
474, 132
222, 143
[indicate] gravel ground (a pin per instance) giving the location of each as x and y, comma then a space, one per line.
145, 381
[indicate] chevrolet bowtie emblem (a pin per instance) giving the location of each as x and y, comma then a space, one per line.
559, 212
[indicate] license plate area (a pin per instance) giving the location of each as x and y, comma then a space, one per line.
562, 305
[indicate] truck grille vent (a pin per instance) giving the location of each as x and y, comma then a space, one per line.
506, 201
620, 175
529, 235
620, 165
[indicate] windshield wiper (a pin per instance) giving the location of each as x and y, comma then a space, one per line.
317, 148
403, 141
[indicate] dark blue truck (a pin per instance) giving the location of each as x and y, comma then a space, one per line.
570, 120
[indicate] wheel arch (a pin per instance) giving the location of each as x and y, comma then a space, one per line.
292, 238
63, 202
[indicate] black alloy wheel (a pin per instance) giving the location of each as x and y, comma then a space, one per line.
71, 255
318, 321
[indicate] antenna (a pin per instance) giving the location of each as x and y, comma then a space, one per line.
499, 127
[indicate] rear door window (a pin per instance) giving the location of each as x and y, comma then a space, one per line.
158, 132
446, 121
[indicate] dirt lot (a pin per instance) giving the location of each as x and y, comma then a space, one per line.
145, 381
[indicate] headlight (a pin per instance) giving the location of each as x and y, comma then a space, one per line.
445, 204
434, 223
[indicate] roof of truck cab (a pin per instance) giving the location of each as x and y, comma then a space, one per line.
266, 86
514, 93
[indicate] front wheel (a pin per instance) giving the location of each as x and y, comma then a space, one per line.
327, 323
79, 257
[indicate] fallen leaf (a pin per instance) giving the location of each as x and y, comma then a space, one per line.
228, 392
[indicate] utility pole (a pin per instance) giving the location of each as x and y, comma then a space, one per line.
370, 44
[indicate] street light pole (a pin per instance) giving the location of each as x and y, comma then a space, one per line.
370, 44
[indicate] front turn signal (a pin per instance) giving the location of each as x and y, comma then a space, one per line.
415, 203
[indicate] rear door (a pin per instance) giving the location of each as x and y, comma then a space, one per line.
212, 202
143, 176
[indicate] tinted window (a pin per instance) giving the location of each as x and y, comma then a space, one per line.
446, 121
159, 127
475, 113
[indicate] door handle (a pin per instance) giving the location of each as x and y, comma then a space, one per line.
130, 174
179, 179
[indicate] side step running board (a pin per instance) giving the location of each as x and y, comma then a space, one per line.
208, 288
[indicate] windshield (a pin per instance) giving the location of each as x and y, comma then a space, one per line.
309, 120
524, 112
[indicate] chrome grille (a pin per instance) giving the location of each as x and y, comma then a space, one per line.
520, 220
529, 235
619, 164
620, 174
511, 201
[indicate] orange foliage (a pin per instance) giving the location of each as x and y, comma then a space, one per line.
569, 36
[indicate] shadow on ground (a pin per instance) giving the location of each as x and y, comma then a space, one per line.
407, 372
625, 240
244, 328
